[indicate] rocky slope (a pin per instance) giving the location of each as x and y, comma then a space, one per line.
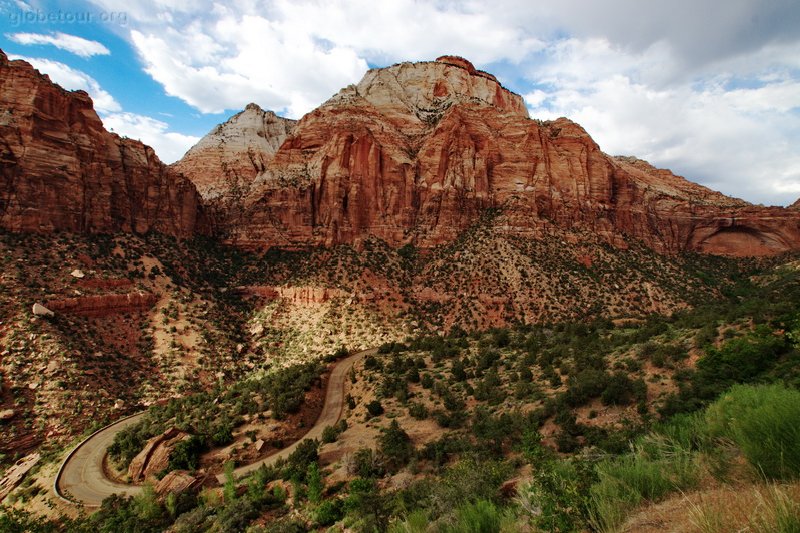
416, 151
61, 170
226, 161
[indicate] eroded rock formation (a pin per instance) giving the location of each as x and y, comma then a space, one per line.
104, 304
417, 151
226, 161
61, 170
154, 457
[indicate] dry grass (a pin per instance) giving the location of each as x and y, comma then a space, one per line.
756, 508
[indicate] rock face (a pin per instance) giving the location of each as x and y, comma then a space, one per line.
296, 295
154, 457
226, 161
61, 170
176, 482
417, 151
104, 305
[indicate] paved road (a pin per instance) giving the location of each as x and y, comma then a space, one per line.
82, 479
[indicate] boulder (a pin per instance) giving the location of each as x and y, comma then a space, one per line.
40, 310
176, 482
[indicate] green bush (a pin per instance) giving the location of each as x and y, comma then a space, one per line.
648, 474
418, 410
481, 516
186, 454
329, 512
365, 463
395, 446
307, 452
764, 423
374, 408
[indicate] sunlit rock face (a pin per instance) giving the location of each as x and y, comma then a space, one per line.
61, 170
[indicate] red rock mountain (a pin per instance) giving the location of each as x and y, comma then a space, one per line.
61, 170
226, 161
416, 151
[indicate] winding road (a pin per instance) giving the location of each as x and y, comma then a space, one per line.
82, 479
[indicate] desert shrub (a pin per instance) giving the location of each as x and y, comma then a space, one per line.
307, 452
315, 483
585, 385
329, 512
557, 498
764, 423
622, 390
367, 506
186, 454
329, 434
470, 480
374, 408
395, 446
365, 463
418, 410
649, 473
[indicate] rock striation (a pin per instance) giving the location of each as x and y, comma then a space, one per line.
415, 152
104, 304
226, 161
61, 170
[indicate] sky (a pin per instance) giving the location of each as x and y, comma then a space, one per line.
709, 89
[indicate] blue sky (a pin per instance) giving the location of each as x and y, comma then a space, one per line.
708, 89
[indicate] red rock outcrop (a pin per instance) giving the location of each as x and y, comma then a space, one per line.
103, 305
295, 295
154, 457
417, 151
226, 161
176, 482
61, 170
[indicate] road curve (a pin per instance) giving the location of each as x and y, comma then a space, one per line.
82, 479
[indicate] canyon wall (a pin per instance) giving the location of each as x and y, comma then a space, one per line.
62, 171
417, 151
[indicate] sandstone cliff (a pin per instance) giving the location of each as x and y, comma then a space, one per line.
61, 170
226, 161
416, 151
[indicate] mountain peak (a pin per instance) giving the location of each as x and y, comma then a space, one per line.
422, 91
229, 157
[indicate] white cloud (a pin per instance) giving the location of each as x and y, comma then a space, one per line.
709, 90
170, 146
290, 56
246, 60
731, 134
72, 79
71, 43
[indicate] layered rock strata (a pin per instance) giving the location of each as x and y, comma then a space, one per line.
60, 170
417, 151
